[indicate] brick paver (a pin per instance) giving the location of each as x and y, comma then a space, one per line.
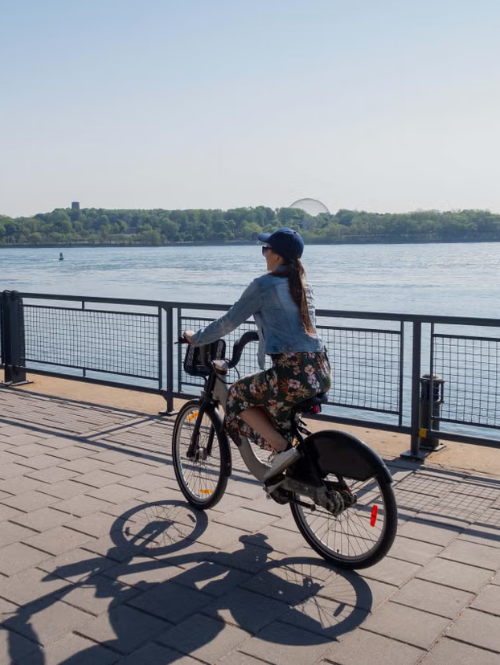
52, 474
7, 513
364, 648
406, 624
77, 649
42, 520
77, 565
488, 600
283, 644
433, 598
80, 505
13, 533
204, 638
58, 540
483, 556
154, 654
50, 624
477, 628
414, 551
102, 561
28, 501
65, 489
29, 586
167, 601
17, 557
97, 524
455, 575
99, 597
363, 593
459, 653
123, 629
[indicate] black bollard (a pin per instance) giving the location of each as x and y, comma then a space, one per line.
430, 408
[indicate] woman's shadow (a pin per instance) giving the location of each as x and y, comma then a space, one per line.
305, 591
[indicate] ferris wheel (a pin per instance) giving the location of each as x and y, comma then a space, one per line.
312, 207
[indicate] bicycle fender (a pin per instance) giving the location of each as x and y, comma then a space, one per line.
220, 429
346, 455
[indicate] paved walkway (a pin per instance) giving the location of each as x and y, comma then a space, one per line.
102, 562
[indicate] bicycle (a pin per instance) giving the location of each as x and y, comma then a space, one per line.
340, 491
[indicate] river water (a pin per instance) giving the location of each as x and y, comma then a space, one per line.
435, 279
456, 279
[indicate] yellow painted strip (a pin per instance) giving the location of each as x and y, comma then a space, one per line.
422, 433
206, 491
193, 416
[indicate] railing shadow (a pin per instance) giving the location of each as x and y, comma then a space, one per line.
125, 411
100, 440
301, 587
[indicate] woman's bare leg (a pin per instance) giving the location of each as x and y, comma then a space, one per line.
259, 420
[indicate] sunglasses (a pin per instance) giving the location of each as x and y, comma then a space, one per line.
265, 250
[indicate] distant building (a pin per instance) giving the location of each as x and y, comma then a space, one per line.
75, 205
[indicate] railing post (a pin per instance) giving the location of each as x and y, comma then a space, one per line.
416, 361
168, 393
2, 329
13, 343
415, 388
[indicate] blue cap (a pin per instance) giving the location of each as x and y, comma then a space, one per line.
285, 242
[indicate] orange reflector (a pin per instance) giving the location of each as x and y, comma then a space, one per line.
373, 517
193, 416
205, 491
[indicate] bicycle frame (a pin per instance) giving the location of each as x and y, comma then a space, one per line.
216, 392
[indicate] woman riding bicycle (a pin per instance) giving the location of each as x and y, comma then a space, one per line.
281, 302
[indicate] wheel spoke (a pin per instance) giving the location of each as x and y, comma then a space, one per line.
200, 476
350, 539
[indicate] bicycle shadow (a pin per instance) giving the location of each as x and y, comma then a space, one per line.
302, 591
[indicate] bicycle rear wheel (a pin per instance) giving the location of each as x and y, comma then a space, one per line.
362, 534
201, 476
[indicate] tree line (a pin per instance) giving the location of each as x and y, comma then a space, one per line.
97, 226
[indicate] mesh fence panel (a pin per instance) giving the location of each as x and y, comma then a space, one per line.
366, 367
471, 370
122, 343
365, 364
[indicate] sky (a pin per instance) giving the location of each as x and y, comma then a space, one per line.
378, 105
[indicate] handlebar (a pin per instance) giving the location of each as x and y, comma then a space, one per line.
246, 338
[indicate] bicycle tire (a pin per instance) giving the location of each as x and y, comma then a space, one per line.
202, 484
354, 557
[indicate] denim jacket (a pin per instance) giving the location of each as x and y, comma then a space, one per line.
277, 317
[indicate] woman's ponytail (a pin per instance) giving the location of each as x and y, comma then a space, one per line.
295, 272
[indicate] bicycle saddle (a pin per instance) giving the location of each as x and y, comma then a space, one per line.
312, 405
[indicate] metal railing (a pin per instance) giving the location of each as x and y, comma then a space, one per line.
377, 359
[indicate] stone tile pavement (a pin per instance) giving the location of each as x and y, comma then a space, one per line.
101, 561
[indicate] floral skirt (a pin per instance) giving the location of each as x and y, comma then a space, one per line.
293, 378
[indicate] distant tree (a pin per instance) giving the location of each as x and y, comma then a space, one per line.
154, 227
345, 217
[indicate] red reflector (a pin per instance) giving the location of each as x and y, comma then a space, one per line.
317, 408
373, 518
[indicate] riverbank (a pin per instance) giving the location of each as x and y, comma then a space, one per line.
455, 456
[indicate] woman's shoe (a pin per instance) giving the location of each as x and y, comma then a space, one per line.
281, 461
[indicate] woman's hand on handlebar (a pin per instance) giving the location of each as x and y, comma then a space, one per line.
187, 335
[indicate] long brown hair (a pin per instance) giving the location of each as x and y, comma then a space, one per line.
296, 274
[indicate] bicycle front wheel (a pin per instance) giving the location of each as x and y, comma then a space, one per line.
362, 534
199, 465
